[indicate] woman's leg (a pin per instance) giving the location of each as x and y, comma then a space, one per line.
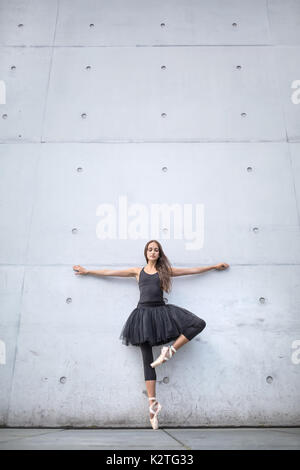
180, 341
149, 372
190, 333
147, 354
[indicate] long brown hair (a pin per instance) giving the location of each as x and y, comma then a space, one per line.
163, 267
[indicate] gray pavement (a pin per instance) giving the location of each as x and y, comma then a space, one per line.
148, 439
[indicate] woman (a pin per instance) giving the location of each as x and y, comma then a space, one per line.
153, 322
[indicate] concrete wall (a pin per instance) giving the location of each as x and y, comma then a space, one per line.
82, 125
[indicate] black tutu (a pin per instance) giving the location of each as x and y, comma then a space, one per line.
158, 323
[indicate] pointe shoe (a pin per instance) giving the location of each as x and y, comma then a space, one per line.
166, 354
154, 420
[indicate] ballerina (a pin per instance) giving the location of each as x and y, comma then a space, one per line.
154, 322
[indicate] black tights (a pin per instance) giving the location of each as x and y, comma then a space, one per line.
147, 353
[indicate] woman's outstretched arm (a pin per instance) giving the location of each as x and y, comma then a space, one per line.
131, 272
185, 271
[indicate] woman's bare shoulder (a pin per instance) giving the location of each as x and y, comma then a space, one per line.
138, 272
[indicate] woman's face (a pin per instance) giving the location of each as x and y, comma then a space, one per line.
153, 251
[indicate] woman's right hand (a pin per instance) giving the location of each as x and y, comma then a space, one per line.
80, 270
221, 266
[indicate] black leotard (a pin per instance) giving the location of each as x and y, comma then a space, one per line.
150, 290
